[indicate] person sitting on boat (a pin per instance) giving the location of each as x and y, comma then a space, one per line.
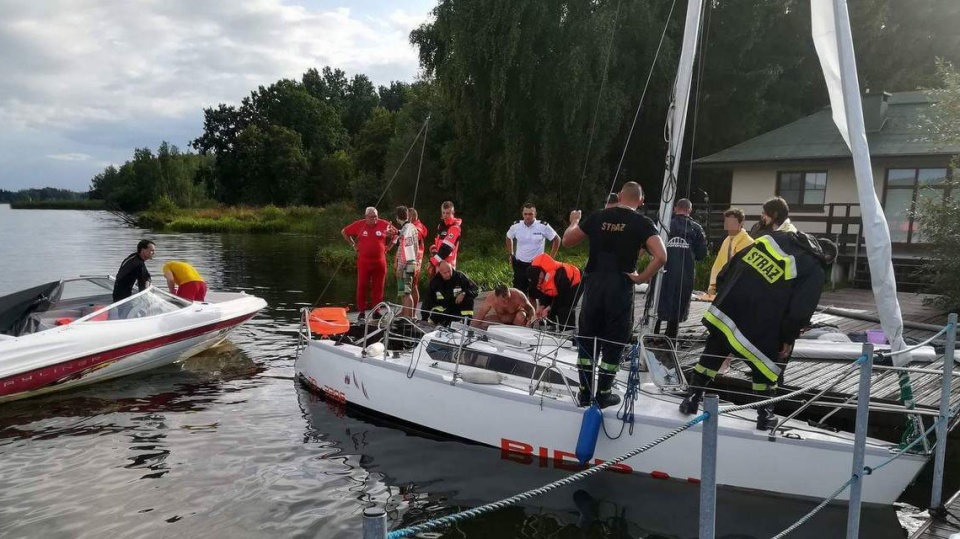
685, 246
737, 240
369, 238
133, 270
184, 281
616, 236
555, 286
505, 305
447, 243
766, 295
423, 232
529, 234
408, 238
450, 296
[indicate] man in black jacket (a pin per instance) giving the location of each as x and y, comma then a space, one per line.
685, 246
450, 296
133, 271
766, 295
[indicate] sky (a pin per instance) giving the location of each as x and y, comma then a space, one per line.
85, 82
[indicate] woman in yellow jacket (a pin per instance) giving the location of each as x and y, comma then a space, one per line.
184, 281
737, 240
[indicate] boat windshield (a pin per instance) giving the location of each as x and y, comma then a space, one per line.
87, 287
150, 302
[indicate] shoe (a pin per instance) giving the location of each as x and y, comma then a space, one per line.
362, 317
583, 399
606, 400
766, 419
698, 384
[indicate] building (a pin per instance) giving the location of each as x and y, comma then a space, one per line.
808, 164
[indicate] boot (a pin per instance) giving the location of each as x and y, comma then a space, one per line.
766, 419
605, 395
691, 402
583, 397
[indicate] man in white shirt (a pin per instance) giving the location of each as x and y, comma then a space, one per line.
406, 260
530, 235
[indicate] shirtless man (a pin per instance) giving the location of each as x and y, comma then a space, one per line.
505, 306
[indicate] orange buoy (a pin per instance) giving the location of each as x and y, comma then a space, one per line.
327, 321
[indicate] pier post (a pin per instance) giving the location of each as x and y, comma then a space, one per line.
936, 496
708, 468
374, 523
860, 443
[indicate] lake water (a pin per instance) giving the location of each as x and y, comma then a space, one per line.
228, 445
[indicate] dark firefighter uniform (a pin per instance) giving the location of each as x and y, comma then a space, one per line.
559, 289
765, 296
447, 243
616, 236
440, 303
685, 246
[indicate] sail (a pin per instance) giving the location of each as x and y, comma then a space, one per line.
831, 36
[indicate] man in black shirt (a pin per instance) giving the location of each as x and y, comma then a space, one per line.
450, 296
133, 270
616, 236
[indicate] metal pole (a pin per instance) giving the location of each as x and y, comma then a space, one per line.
936, 497
860, 443
708, 468
374, 523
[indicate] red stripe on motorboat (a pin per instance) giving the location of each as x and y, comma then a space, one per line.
78, 367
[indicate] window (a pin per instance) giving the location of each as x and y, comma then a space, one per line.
905, 189
803, 190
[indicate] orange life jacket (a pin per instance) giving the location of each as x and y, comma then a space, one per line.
550, 267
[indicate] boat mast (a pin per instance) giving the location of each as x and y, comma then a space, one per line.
676, 123
834, 44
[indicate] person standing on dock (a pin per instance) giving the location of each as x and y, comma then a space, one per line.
686, 245
369, 238
184, 281
766, 295
447, 243
133, 270
737, 240
616, 236
530, 235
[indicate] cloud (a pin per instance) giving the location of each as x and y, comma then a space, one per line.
108, 74
70, 157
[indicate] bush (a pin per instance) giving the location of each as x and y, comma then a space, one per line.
941, 229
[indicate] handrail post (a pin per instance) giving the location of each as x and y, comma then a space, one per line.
374, 523
860, 443
708, 467
936, 496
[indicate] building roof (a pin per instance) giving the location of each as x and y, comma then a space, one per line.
816, 137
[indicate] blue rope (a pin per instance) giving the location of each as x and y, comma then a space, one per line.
477, 511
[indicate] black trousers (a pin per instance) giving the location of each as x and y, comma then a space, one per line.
520, 281
716, 350
606, 319
453, 312
563, 307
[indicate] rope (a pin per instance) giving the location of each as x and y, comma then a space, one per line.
774, 400
423, 148
945, 329
477, 511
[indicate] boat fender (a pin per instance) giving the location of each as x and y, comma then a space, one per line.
481, 377
589, 431
374, 350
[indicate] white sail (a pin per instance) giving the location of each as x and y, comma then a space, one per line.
831, 36
676, 125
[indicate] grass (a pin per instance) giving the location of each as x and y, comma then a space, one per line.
58, 205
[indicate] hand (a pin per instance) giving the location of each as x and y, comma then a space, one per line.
575, 217
542, 312
712, 291
635, 277
433, 250
785, 351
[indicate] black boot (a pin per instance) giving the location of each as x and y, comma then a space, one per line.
605, 395
766, 419
698, 384
584, 396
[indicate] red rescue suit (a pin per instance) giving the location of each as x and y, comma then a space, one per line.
447, 243
371, 259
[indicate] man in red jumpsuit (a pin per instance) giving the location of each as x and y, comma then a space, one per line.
447, 243
369, 237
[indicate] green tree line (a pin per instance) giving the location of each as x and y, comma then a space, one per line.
40, 195
530, 101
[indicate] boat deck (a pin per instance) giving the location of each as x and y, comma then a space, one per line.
941, 525
819, 374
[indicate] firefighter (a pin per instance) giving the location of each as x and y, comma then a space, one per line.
616, 236
447, 243
449, 297
685, 246
766, 295
555, 286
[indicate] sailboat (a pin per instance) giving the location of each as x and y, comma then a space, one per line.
511, 388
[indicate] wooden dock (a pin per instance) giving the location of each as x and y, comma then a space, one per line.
942, 525
803, 373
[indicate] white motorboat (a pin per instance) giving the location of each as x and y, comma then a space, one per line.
510, 388
69, 333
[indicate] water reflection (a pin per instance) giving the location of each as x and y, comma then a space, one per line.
417, 478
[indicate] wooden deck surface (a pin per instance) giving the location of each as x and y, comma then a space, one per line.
942, 525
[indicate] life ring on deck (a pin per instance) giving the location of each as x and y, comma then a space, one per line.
327, 321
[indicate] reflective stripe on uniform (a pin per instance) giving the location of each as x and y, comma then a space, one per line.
741, 344
703, 370
763, 387
774, 250
609, 367
466, 313
584, 361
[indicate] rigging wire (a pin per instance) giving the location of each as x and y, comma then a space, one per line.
423, 148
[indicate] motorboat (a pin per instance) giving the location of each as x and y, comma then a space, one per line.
513, 388
70, 333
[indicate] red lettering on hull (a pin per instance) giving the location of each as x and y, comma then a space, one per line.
524, 453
